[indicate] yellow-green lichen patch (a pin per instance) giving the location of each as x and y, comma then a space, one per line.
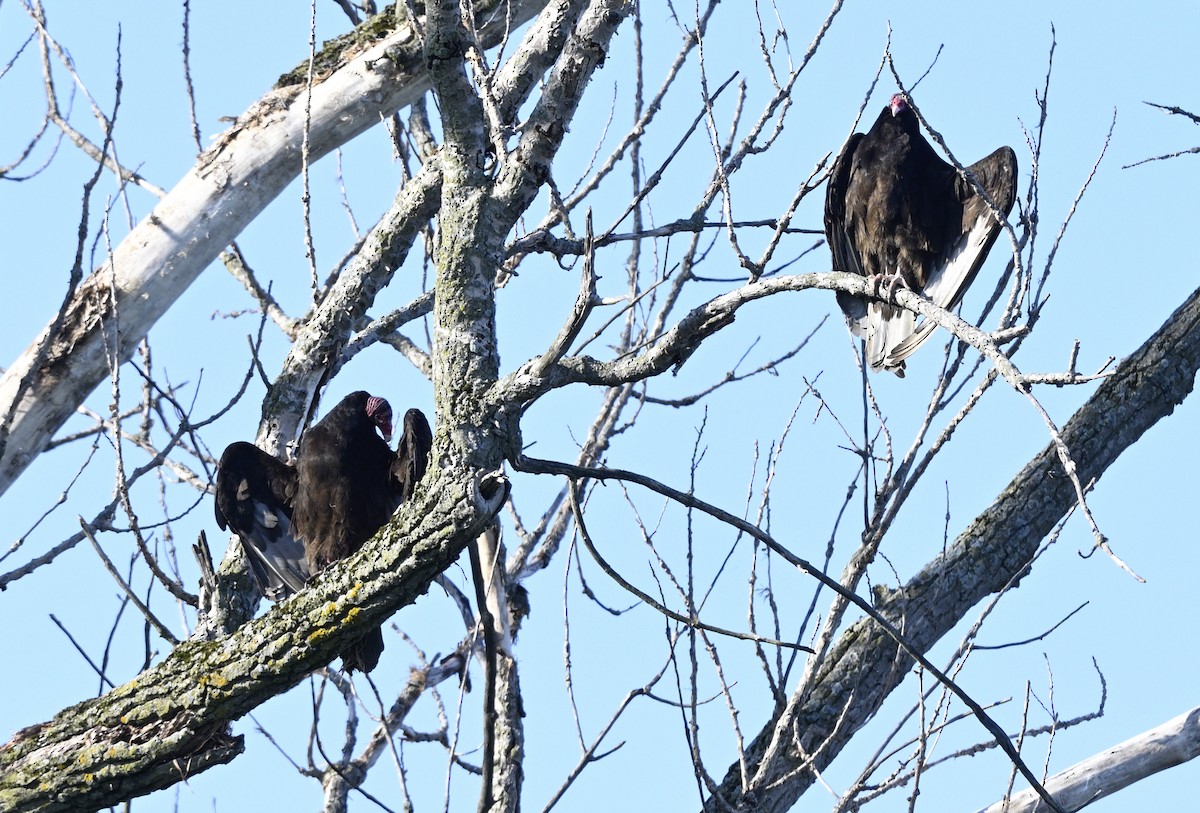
316, 636
213, 679
329, 611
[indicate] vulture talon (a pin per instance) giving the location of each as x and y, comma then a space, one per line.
897, 281
876, 283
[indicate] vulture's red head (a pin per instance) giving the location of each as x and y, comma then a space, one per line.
380, 413
898, 104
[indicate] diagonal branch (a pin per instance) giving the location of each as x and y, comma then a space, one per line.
320, 341
172, 720
993, 550
528, 165
889, 628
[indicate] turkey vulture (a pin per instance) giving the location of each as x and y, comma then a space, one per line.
894, 208
294, 521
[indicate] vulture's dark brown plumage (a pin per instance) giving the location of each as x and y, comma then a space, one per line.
894, 207
294, 521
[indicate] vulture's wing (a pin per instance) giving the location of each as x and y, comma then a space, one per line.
412, 453
255, 492
971, 238
837, 233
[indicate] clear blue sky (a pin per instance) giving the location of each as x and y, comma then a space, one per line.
1124, 265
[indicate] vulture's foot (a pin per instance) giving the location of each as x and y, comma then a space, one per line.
892, 281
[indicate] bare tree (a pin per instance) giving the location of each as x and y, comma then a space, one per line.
625, 268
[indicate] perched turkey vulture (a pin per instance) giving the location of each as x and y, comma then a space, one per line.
294, 521
894, 208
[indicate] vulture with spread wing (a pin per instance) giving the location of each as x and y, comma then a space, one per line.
294, 521
894, 208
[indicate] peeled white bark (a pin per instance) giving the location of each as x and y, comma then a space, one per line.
228, 187
231, 183
1172, 743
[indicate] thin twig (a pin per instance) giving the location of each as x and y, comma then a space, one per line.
533, 465
159, 627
